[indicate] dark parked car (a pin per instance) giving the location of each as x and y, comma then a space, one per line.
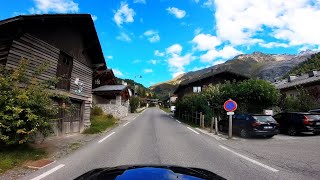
251, 125
315, 111
295, 122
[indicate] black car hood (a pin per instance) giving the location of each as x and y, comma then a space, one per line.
154, 172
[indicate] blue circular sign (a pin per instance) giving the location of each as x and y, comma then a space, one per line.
230, 105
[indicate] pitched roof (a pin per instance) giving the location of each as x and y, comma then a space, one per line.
299, 80
109, 88
81, 22
209, 74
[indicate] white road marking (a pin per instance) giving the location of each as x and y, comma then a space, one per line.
172, 117
178, 121
193, 130
126, 124
106, 137
249, 159
48, 172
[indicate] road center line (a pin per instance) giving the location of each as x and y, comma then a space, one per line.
249, 159
106, 137
193, 130
126, 124
178, 121
48, 172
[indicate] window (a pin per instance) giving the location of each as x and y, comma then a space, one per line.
64, 69
197, 89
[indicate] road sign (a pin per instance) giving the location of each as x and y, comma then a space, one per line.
230, 113
230, 105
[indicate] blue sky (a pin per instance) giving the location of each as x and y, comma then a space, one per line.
160, 39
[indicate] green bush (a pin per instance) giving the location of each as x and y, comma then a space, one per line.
303, 102
100, 123
134, 103
26, 104
252, 96
110, 116
96, 111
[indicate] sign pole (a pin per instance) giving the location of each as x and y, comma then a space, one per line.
230, 106
230, 126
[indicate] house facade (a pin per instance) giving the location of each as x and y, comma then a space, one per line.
69, 45
111, 97
309, 81
196, 85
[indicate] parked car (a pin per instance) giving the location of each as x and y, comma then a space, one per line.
251, 125
173, 109
295, 122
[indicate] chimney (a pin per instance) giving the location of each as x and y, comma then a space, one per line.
312, 73
291, 78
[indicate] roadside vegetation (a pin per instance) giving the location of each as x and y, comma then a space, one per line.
99, 121
252, 96
134, 103
165, 109
17, 155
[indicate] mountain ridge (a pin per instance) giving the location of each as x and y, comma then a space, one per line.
257, 65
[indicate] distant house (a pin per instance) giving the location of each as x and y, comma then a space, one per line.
70, 45
309, 81
107, 94
198, 84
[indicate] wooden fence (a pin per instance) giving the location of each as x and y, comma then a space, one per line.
198, 119
193, 117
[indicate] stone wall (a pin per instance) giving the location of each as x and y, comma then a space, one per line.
116, 107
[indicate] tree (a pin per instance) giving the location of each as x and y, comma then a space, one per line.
254, 95
26, 105
303, 101
134, 103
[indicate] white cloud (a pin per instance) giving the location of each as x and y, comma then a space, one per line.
124, 14
176, 61
218, 62
152, 35
109, 57
273, 44
136, 61
123, 37
197, 31
117, 72
209, 4
174, 49
177, 12
140, 1
196, 1
205, 42
158, 53
147, 70
94, 17
226, 53
54, 6
153, 61
177, 74
291, 22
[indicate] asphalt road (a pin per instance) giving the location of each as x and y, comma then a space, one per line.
155, 137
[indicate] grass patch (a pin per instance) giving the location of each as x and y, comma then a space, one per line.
16, 155
74, 146
140, 110
165, 109
100, 123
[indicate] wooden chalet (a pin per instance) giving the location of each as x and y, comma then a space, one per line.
198, 84
70, 45
107, 94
